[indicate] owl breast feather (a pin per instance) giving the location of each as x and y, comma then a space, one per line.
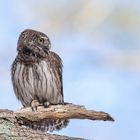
38, 81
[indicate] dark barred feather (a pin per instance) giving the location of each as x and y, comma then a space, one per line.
48, 125
37, 81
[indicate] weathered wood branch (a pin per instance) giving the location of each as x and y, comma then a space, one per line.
10, 122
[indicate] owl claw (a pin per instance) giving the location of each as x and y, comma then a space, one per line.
34, 105
46, 104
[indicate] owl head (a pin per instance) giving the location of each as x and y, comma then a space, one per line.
32, 42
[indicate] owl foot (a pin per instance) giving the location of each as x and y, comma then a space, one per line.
46, 104
34, 105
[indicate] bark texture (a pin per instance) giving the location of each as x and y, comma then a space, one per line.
12, 123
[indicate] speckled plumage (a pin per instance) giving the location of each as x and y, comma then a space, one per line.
37, 71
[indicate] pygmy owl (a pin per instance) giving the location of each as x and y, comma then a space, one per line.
37, 75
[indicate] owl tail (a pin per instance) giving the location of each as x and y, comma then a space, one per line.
49, 125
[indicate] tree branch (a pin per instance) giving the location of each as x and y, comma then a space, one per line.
10, 122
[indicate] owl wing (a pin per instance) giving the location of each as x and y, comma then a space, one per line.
57, 64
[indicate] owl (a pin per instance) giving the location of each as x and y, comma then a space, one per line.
37, 75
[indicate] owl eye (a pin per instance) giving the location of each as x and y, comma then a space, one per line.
41, 40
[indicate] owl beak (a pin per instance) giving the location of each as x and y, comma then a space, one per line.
46, 49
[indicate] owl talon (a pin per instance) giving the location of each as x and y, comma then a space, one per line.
46, 104
34, 105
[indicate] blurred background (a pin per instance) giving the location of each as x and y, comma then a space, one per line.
100, 47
